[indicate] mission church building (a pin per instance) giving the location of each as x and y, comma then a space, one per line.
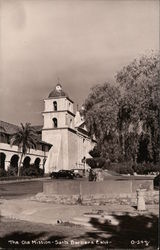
66, 131
64, 142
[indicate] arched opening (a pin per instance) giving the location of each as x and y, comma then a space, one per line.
55, 106
55, 123
14, 161
66, 119
71, 123
2, 160
37, 162
26, 162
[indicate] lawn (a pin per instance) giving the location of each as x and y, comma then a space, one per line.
133, 232
22, 234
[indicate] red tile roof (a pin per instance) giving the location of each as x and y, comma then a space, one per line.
8, 128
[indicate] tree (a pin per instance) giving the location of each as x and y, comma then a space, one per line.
25, 138
100, 113
2, 129
125, 117
139, 114
96, 161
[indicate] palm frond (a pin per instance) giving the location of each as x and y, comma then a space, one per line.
25, 138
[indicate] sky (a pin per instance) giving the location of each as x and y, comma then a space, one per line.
81, 42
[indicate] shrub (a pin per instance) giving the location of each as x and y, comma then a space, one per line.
107, 164
97, 162
121, 168
126, 170
3, 173
95, 152
91, 162
31, 171
130, 168
12, 171
100, 162
41, 172
145, 168
114, 167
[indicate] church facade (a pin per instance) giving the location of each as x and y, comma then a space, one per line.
64, 142
66, 131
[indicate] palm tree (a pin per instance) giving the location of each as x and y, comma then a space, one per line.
2, 129
2, 133
25, 138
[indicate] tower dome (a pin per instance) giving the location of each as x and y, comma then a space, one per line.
57, 92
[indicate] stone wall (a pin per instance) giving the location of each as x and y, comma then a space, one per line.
97, 193
109, 186
151, 197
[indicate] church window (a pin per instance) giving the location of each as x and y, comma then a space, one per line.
55, 105
66, 120
55, 123
70, 122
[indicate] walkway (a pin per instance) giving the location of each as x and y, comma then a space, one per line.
34, 211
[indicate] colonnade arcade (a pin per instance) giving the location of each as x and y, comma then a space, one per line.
12, 160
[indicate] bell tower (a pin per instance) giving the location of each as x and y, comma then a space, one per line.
58, 118
58, 110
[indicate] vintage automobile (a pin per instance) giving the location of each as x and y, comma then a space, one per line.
78, 173
67, 174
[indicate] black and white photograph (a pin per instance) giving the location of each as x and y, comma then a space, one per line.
79, 124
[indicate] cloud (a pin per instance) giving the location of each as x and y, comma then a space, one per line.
82, 42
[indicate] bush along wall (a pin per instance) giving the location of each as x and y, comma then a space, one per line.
141, 168
124, 167
3, 173
30, 171
12, 171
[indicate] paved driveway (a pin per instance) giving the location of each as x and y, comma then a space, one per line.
20, 189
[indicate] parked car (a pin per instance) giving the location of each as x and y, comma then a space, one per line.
157, 181
62, 174
78, 173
